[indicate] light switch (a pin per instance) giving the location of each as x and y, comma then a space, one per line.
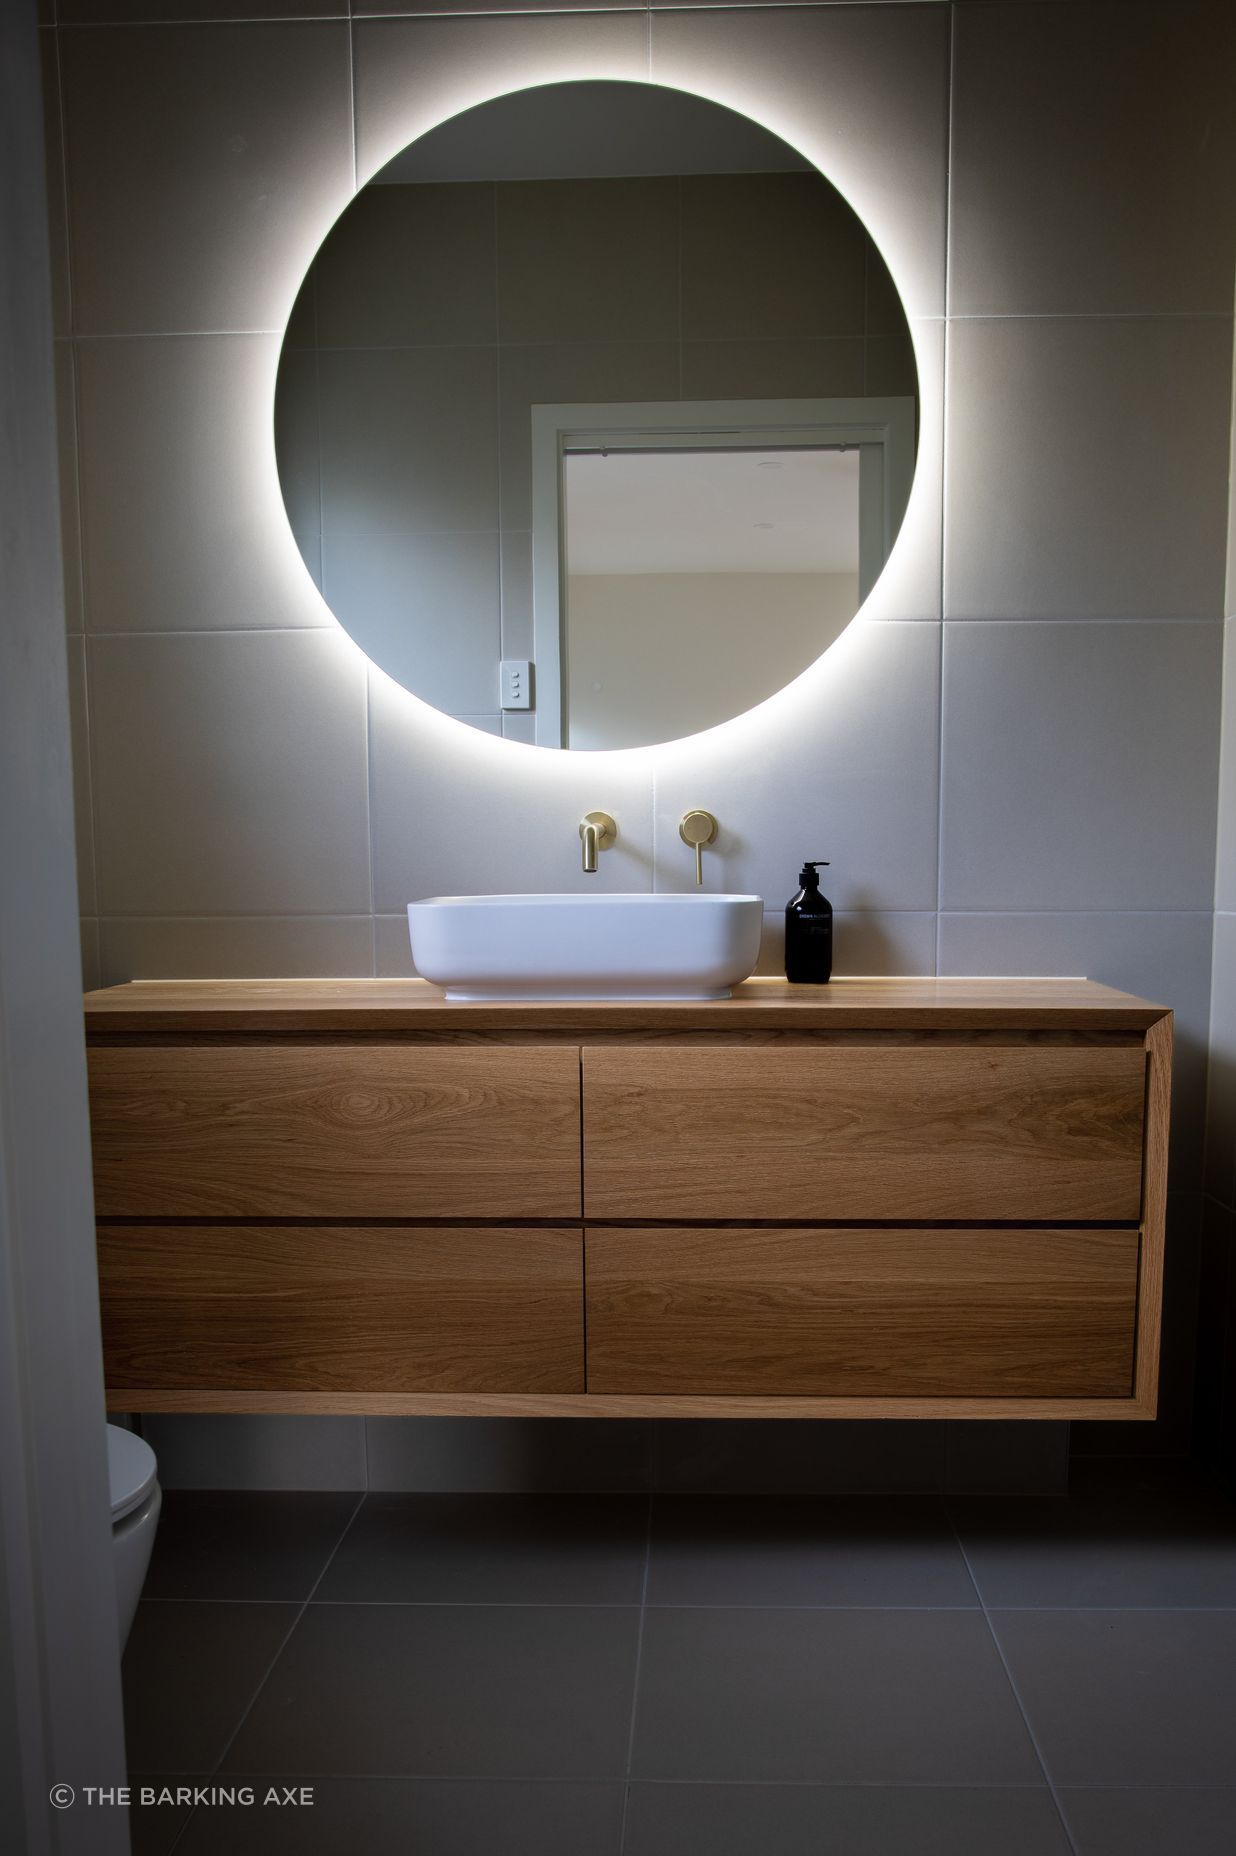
516, 683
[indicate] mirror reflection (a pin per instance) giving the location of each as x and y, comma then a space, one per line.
595, 416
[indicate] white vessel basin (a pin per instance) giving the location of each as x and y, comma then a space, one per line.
586, 947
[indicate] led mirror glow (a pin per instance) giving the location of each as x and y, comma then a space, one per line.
579, 249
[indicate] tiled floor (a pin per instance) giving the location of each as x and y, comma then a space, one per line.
506, 1675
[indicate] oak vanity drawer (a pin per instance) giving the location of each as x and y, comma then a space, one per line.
964, 1313
332, 1130
897, 1131
288, 1308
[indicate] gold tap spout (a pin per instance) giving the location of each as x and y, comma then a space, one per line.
598, 831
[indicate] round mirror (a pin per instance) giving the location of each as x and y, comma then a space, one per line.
596, 415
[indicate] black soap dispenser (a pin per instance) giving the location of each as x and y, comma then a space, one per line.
809, 930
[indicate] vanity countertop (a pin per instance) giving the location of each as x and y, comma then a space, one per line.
405, 1005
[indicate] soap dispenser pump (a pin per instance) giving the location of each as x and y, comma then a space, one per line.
809, 930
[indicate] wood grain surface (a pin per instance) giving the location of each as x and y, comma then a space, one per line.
366, 1130
390, 1006
1019, 1133
341, 1309
967, 1313
1154, 1210
171, 1397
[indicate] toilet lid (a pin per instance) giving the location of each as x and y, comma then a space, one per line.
131, 1470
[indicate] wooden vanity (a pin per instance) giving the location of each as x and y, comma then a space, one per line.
877, 1198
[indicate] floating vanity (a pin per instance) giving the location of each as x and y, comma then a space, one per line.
909, 1198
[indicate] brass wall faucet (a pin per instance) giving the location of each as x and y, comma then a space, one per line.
697, 828
598, 831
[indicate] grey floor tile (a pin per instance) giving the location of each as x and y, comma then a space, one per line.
493, 1549
242, 1544
488, 1691
154, 1827
1147, 1820
856, 1697
1126, 1697
424, 1817
811, 1820
190, 1671
1138, 1548
796, 1550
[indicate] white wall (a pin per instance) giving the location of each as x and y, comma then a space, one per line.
654, 656
1012, 758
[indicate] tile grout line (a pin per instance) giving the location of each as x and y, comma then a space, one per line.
639, 1656
1008, 1673
283, 1643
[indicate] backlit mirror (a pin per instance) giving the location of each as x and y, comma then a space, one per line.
596, 415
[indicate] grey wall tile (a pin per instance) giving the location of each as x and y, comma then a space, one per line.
70, 513
770, 255
409, 264
204, 166
83, 805
1044, 219
298, 451
881, 942
202, 1451
798, 1456
392, 947
1163, 957
409, 439
362, 8
1001, 1458
411, 74
424, 606
1214, 1369
850, 762
441, 795
228, 947
516, 592
773, 369
230, 774
860, 90
588, 260
90, 954
575, 1454
184, 534
570, 373
57, 199
909, 587
1079, 766
1221, 1078
1085, 472
890, 366
166, 12
1225, 857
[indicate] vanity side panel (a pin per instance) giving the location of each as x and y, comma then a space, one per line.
1159, 1040
1019, 1133
317, 1130
862, 1313
341, 1309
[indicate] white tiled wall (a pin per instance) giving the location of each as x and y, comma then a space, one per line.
1012, 759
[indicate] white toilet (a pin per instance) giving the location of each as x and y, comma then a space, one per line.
136, 1500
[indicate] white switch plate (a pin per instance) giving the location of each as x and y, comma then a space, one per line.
516, 683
